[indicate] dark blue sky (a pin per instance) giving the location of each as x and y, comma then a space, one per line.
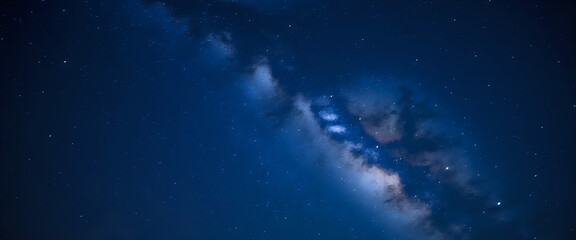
275, 119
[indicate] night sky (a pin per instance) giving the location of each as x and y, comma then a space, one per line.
279, 119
